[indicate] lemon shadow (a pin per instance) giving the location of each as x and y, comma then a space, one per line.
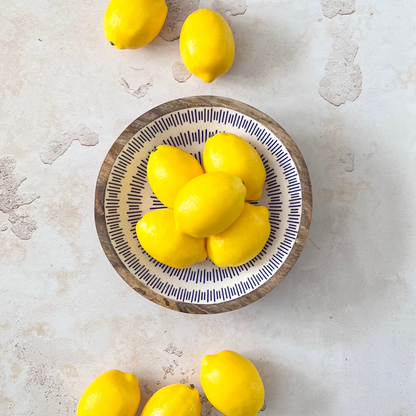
290, 392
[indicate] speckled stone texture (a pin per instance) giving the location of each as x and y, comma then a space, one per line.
337, 336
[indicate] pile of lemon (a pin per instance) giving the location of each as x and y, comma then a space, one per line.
206, 41
230, 382
206, 212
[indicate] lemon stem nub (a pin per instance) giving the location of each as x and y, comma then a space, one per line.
191, 386
154, 149
111, 43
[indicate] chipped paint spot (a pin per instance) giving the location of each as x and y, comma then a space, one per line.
10, 200
184, 380
346, 156
69, 370
22, 225
168, 370
44, 379
146, 389
178, 11
139, 92
172, 349
264, 407
206, 406
38, 376
342, 80
6, 406
331, 8
57, 146
180, 72
4, 226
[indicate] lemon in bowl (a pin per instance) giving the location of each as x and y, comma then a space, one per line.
209, 204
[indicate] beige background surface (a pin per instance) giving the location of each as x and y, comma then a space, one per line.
337, 337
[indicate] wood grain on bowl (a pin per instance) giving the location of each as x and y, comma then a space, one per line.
143, 121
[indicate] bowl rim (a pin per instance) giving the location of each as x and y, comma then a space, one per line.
194, 102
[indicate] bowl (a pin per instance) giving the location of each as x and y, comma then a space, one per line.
123, 196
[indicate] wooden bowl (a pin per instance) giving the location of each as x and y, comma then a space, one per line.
123, 195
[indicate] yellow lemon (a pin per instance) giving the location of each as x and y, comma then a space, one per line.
206, 44
113, 393
209, 203
232, 384
174, 400
168, 170
157, 234
132, 24
232, 154
243, 240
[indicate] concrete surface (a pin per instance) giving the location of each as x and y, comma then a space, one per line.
338, 336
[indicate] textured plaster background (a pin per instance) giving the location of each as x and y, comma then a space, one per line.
337, 336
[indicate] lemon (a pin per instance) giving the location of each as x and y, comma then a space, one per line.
112, 393
174, 400
168, 170
206, 44
209, 203
132, 24
243, 240
232, 384
232, 154
157, 234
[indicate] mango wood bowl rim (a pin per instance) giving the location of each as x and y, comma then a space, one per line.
193, 102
